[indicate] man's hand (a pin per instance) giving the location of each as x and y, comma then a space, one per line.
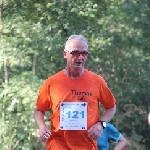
95, 131
44, 134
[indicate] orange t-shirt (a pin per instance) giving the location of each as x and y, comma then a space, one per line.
90, 88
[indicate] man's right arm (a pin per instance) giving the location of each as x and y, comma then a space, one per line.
39, 118
44, 132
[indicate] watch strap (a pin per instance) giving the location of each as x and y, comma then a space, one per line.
102, 123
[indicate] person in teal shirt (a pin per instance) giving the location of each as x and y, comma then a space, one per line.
110, 133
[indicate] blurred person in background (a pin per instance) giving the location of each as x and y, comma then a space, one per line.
111, 134
149, 118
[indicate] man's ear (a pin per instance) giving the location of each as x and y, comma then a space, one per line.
65, 53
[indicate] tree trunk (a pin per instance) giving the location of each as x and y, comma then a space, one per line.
35, 57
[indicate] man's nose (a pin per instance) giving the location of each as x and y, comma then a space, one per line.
79, 55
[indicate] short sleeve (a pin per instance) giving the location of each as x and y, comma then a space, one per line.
106, 96
43, 100
114, 134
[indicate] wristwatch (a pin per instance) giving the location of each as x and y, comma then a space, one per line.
103, 123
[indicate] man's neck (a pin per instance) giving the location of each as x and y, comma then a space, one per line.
74, 73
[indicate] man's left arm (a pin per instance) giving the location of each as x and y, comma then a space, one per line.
96, 130
108, 114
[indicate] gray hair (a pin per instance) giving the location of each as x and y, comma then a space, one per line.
75, 36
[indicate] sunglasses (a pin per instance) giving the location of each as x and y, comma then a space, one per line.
77, 53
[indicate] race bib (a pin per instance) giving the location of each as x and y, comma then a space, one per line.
73, 115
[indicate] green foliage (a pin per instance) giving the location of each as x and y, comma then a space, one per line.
32, 36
